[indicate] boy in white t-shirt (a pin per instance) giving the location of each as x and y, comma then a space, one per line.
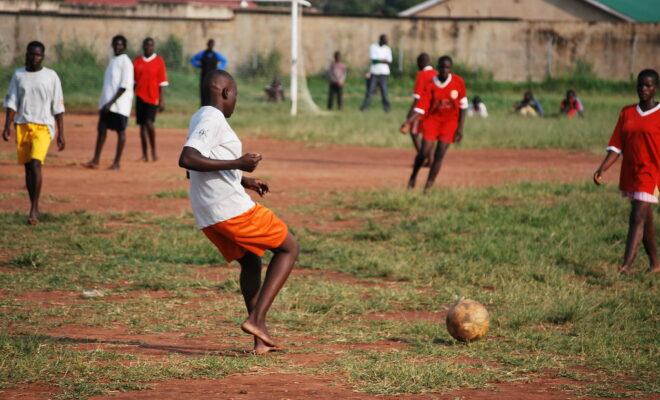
35, 105
241, 229
115, 102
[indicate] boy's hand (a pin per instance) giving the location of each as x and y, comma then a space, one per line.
458, 136
249, 161
6, 133
598, 177
60, 142
404, 128
257, 185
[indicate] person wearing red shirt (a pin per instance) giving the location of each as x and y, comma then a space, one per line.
150, 81
443, 104
637, 138
571, 105
425, 73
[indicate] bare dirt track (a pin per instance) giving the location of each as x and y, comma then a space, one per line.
291, 168
297, 173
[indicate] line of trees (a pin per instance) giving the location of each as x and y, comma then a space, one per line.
370, 7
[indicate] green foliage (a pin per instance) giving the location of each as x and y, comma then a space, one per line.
262, 66
366, 7
172, 52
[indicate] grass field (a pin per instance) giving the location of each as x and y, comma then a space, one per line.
82, 85
545, 273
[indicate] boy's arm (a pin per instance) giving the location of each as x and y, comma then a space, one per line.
193, 160
222, 60
609, 160
196, 60
9, 123
59, 119
461, 121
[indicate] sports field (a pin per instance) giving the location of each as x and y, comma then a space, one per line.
514, 222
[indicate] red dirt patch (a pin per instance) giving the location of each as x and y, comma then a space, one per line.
291, 167
31, 391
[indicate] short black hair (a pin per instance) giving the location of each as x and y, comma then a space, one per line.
148, 38
38, 44
648, 73
423, 58
206, 81
445, 58
120, 38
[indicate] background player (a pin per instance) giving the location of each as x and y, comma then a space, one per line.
443, 104
34, 103
150, 82
425, 73
637, 137
207, 60
239, 228
115, 102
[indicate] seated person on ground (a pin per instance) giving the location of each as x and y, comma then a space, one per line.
529, 106
477, 108
274, 91
571, 105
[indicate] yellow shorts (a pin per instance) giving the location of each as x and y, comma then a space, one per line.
32, 142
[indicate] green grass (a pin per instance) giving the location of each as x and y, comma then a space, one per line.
254, 117
541, 257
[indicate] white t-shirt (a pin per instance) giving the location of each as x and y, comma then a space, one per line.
215, 196
36, 97
378, 52
118, 74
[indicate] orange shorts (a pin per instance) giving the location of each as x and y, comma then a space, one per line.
256, 231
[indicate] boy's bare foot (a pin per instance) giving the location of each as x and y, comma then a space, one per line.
144, 158
32, 220
259, 331
91, 165
625, 270
260, 348
411, 184
114, 167
654, 269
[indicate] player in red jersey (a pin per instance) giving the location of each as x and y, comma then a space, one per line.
444, 105
425, 74
637, 138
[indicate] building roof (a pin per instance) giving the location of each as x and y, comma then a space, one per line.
233, 4
636, 11
625, 10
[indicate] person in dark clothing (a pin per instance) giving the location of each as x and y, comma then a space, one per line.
208, 60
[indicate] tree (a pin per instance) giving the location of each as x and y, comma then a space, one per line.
366, 7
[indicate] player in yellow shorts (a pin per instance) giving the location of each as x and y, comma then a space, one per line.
35, 106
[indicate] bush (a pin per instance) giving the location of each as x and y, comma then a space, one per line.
262, 66
172, 52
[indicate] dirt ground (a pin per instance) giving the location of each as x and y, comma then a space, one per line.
297, 173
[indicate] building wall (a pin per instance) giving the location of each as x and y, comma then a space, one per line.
513, 51
535, 10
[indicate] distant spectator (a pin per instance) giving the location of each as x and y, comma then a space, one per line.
477, 108
274, 91
380, 55
208, 60
115, 103
337, 78
571, 105
529, 106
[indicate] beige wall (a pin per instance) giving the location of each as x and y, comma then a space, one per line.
513, 51
535, 10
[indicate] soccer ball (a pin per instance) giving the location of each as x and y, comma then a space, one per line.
467, 320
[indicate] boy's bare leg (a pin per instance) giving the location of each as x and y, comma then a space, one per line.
143, 142
101, 133
440, 151
121, 141
33, 183
638, 215
278, 271
151, 131
649, 241
250, 284
424, 153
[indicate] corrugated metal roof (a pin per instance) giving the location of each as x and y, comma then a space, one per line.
130, 3
637, 10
